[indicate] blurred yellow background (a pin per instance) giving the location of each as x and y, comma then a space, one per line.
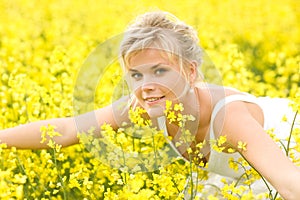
254, 44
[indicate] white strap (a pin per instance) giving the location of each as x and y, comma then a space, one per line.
162, 125
221, 103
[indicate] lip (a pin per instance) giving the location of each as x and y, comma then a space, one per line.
153, 100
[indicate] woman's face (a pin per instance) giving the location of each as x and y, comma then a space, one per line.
154, 78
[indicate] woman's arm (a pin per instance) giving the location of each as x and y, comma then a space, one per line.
28, 136
261, 151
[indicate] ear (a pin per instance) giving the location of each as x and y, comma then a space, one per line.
192, 72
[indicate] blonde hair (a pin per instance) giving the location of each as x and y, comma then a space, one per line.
163, 31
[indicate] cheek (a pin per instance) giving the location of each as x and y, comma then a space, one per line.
176, 85
136, 87
132, 84
138, 93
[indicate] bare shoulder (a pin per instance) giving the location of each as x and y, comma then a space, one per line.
236, 122
230, 118
215, 93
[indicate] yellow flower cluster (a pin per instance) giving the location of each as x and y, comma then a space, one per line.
174, 115
250, 45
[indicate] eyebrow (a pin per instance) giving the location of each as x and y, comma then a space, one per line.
152, 68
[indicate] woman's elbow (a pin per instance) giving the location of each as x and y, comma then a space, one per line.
68, 134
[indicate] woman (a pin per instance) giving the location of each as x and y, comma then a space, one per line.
161, 58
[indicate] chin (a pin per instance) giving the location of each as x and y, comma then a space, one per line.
155, 111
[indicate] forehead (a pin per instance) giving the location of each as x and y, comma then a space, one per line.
150, 57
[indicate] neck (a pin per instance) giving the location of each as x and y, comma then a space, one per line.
191, 106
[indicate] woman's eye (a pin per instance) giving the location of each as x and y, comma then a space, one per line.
136, 75
160, 71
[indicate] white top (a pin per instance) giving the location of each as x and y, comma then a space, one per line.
273, 109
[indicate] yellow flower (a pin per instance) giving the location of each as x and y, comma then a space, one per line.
171, 116
168, 106
136, 117
190, 150
215, 146
233, 164
242, 146
211, 197
177, 144
284, 118
178, 107
200, 145
49, 131
221, 140
38, 80
231, 150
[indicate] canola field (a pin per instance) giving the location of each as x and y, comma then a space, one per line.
253, 46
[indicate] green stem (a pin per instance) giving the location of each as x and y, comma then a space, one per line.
192, 181
290, 136
59, 175
21, 167
154, 147
265, 182
124, 163
287, 149
283, 146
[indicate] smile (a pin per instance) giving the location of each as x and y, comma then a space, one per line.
153, 99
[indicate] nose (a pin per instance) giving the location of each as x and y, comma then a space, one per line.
148, 86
